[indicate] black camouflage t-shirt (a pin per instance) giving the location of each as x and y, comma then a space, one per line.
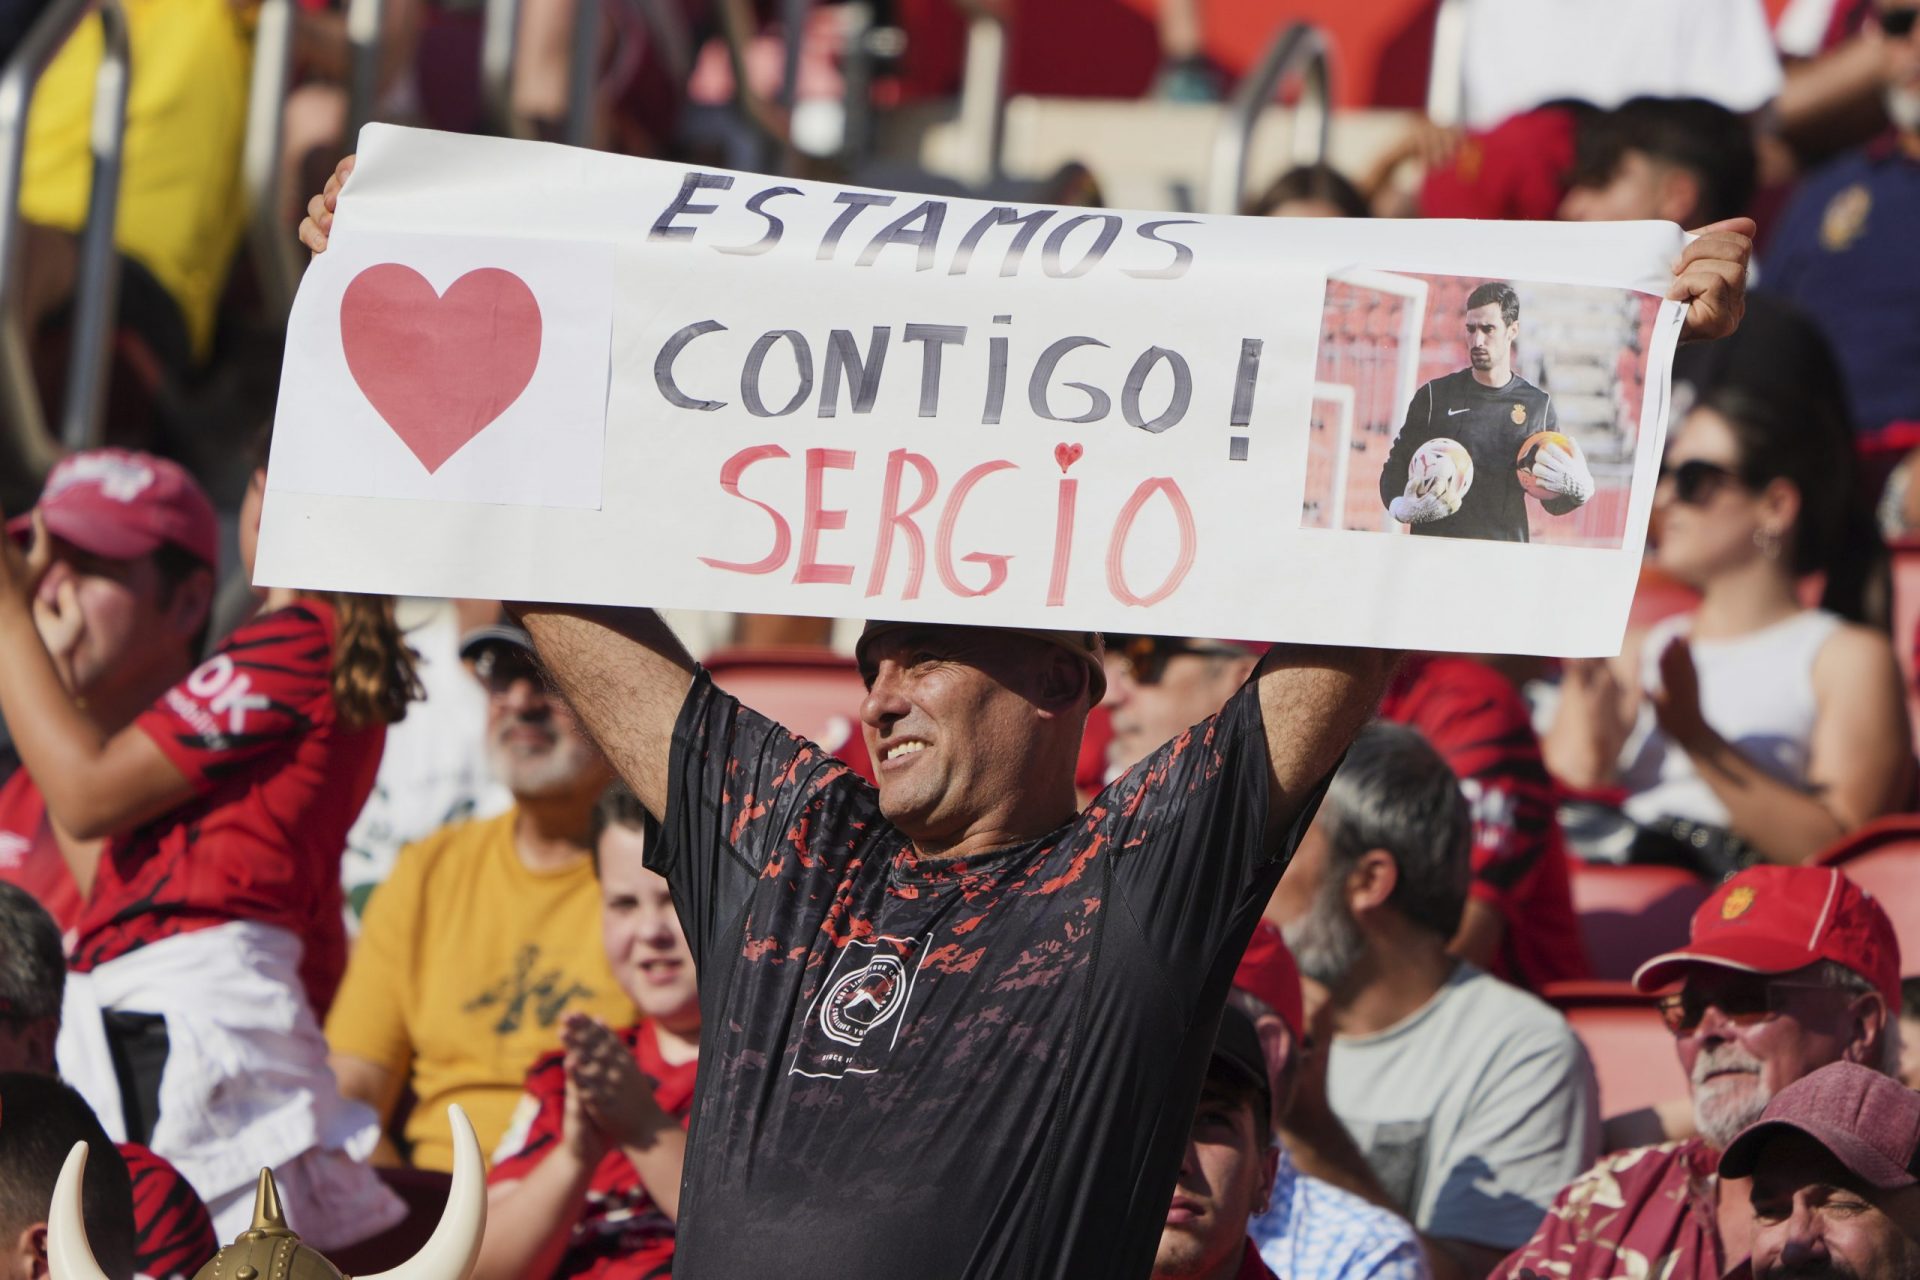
914, 1070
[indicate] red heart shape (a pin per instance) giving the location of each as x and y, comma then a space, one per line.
438, 368
1066, 455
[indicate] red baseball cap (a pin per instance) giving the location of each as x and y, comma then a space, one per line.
123, 505
1777, 919
1870, 1123
1268, 974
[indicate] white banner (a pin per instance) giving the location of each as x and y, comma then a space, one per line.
529, 372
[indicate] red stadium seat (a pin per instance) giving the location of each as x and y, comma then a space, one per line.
814, 692
1628, 915
1632, 1050
1906, 621
425, 1194
1884, 859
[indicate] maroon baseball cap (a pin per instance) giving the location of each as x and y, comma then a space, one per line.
123, 505
1870, 1123
1777, 919
1268, 974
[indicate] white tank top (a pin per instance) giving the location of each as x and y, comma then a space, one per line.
1755, 690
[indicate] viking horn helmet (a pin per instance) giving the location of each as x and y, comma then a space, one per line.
269, 1248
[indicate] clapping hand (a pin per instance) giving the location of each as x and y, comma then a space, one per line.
1676, 703
615, 1093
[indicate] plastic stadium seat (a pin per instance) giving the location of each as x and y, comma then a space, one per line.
425, 1194
1632, 1050
1628, 915
1906, 620
1658, 596
814, 692
1884, 859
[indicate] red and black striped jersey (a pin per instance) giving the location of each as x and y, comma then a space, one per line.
1479, 724
173, 1236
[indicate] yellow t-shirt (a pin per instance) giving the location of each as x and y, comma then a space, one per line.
465, 965
181, 207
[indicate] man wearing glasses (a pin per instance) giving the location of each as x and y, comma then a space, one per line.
1787, 969
487, 933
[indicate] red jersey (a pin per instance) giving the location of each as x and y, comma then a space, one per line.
173, 1236
30, 856
1517, 169
1251, 1267
1479, 725
277, 782
622, 1235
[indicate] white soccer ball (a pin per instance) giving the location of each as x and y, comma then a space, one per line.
1443, 468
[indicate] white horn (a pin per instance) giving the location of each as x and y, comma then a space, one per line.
69, 1255
449, 1254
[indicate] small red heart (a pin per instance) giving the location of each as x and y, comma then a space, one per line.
439, 368
1066, 455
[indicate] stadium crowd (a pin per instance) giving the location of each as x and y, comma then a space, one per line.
283, 874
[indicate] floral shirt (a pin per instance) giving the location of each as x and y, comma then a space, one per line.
1644, 1214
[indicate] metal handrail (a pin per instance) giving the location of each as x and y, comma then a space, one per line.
982, 124
583, 76
19, 396
366, 29
1446, 74
268, 239
499, 49
97, 281
1300, 50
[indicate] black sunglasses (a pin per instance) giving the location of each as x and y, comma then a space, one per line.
1696, 480
1899, 22
500, 666
1744, 1004
1147, 656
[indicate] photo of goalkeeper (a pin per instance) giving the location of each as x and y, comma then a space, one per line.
1478, 442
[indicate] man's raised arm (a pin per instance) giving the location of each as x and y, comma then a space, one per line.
625, 674
1314, 699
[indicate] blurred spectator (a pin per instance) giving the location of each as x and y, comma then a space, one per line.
1310, 191
1751, 728
314, 119
181, 211
122, 611
1835, 1168
40, 1120
1518, 922
1786, 969
587, 1181
1186, 73
211, 931
1683, 160
1471, 1102
172, 1233
1227, 1173
1910, 1032
435, 769
487, 932
1519, 919
1844, 252
1311, 1230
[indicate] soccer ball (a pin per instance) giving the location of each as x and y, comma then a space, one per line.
1530, 451
1443, 468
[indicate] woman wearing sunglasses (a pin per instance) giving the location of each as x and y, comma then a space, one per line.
1753, 728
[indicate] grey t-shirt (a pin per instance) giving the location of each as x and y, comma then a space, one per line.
1473, 1112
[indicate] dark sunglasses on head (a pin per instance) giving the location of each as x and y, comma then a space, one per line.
1147, 656
1697, 480
1899, 22
500, 666
1744, 1004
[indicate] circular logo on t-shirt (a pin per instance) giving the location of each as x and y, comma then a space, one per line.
863, 999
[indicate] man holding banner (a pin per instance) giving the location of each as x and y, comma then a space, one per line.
956, 1026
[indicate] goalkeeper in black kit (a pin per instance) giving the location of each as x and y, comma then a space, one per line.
1492, 413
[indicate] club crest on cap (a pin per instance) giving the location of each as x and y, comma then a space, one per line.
1519, 415
1739, 899
122, 479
